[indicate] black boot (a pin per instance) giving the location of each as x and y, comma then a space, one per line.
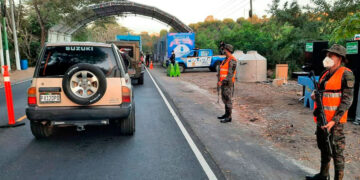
222, 117
225, 115
323, 175
228, 118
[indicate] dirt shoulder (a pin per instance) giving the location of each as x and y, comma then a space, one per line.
18, 76
277, 115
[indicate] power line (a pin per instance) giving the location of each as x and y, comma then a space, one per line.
244, 3
224, 8
229, 7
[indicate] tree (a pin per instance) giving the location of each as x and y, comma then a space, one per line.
51, 12
101, 30
331, 13
163, 32
209, 18
347, 28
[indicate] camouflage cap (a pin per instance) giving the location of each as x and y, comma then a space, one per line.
337, 49
229, 47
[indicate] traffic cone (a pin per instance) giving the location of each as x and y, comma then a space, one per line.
172, 70
9, 102
177, 70
151, 65
168, 70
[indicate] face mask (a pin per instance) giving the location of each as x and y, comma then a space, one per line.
328, 63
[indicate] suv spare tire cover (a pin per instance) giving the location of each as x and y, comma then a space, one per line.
92, 69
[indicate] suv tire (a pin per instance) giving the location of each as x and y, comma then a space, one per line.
92, 69
40, 130
125, 126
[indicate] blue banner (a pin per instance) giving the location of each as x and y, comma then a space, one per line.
181, 43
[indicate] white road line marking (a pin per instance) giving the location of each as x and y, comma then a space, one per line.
210, 174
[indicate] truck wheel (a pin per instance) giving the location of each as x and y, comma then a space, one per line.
125, 126
40, 130
182, 68
141, 79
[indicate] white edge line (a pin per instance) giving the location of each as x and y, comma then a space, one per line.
18, 82
210, 174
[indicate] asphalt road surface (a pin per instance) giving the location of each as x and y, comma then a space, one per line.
158, 150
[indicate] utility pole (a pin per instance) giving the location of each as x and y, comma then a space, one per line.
1, 51
6, 44
251, 10
17, 55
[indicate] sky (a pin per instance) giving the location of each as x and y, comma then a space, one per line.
193, 11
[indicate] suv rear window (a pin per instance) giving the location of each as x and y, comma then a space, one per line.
56, 60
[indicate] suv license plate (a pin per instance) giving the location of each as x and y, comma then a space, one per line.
50, 98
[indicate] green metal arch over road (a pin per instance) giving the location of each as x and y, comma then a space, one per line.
63, 31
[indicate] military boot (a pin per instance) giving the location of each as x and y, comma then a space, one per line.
225, 115
339, 175
323, 175
222, 117
228, 117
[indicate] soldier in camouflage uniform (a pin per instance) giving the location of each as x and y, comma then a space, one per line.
226, 81
335, 126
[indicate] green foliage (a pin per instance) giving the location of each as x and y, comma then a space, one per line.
347, 28
282, 37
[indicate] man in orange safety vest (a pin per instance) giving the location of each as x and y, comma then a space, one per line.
226, 76
336, 85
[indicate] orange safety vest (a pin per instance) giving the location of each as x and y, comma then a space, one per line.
224, 69
332, 95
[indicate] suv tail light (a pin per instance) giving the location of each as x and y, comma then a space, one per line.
126, 94
32, 96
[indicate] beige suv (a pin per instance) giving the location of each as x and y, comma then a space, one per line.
78, 84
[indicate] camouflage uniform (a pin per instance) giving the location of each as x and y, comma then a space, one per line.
227, 88
337, 136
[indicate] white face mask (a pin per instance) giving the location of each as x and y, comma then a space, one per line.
328, 63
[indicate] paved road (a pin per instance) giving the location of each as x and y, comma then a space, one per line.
238, 147
158, 150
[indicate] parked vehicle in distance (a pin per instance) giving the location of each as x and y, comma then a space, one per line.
200, 58
357, 37
136, 68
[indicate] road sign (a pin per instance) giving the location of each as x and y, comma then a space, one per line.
352, 48
309, 47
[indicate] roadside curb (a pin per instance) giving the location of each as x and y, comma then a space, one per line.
214, 166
